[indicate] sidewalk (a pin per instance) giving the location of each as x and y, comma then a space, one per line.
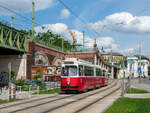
143, 86
147, 95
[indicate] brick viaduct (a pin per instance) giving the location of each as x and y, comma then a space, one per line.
53, 54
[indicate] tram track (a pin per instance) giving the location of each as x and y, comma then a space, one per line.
29, 101
34, 100
55, 100
57, 107
36, 104
98, 100
76, 103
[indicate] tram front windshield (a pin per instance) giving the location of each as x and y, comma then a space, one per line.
69, 71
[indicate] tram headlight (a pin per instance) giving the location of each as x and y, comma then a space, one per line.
68, 81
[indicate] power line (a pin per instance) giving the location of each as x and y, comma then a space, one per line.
15, 12
82, 20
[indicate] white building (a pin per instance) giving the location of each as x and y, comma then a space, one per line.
133, 63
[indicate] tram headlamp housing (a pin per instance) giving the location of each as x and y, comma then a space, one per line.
68, 81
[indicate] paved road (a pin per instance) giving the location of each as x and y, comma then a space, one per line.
145, 84
98, 100
146, 81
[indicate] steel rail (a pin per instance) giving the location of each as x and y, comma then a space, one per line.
54, 99
59, 106
85, 107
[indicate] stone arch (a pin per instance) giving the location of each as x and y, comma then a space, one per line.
57, 61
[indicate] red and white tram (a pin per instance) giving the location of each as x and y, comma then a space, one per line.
80, 75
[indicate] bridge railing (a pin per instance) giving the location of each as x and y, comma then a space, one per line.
12, 39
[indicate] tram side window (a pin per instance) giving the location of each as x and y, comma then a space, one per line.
89, 71
80, 70
98, 72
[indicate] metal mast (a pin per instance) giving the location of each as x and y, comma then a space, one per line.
33, 5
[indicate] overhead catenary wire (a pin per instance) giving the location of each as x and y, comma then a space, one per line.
81, 19
30, 20
20, 15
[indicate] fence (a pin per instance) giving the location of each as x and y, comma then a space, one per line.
26, 91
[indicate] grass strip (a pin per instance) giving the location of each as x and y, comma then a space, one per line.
52, 91
128, 105
135, 91
6, 101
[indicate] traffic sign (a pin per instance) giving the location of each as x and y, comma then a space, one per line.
139, 69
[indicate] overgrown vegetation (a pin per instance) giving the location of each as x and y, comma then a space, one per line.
134, 91
52, 91
21, 82
38, 74
128, 105
6, 101
49, 38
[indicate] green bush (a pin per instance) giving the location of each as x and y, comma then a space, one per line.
36, 77
21, 82
13, 75
42, 86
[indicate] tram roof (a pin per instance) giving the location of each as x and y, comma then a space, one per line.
82, 62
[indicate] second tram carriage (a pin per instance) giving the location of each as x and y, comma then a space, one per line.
80, 75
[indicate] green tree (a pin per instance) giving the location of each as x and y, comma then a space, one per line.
13, 75
39, 74
53, 39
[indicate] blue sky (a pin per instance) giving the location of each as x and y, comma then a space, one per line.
120, 24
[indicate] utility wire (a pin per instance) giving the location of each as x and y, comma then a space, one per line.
82, 20
15, 12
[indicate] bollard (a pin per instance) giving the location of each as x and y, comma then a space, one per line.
12, 91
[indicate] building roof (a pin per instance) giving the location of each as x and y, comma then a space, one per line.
113, 54
142, 57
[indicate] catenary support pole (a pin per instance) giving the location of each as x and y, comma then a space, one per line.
12, 21
33, 5
62, 45
123, 84
140, 61
83, 40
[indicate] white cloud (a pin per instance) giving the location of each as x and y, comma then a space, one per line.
123, 22
105, 41
129, 51
58, 28
64, 14
61, 28
24, 6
